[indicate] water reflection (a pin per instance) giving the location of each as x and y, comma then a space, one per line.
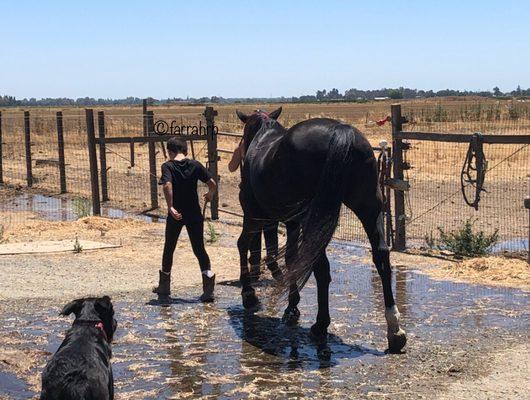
59, 208
183, 348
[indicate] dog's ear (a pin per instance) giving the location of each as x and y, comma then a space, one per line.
73, 307
104, 306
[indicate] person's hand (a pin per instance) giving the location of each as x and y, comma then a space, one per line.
175, 214
208, 196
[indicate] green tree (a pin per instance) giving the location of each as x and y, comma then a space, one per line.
395, 94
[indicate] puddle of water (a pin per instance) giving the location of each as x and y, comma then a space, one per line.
60, 208
220, 351
12, 386
515, 245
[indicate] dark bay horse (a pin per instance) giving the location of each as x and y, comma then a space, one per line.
301, 176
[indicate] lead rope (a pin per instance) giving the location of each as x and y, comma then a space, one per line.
474, 170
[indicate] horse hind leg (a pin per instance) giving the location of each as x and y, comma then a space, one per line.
373, 222
319, 330
248, 294
291, 314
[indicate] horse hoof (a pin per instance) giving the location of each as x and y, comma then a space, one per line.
324, 353
318, 335
396, 342
250, 300
291, 316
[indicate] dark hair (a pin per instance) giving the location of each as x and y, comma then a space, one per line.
177, 145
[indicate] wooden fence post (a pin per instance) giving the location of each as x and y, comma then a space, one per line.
103, 156
60, 150
527, 206
1, 156
153, 184
131, 151
209, 115
93, 160
399, 196
144, 115
27, 141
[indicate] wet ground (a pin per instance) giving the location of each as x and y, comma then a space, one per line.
63, 208
187, 349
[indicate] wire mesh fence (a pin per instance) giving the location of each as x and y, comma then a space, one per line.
435, 202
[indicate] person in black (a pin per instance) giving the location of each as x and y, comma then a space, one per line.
270, 231
179, 181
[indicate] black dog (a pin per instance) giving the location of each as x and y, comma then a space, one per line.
81, 368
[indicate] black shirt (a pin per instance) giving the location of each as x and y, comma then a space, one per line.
184, 175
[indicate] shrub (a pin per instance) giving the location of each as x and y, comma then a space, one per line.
213, 236
77, 246
465, 242
81, 207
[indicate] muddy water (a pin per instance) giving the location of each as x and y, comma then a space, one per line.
59, 208
187, 349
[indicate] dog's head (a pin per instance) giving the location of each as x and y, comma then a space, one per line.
94, 309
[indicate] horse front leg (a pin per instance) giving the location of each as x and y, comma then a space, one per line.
373, 222
291, 314
248, 294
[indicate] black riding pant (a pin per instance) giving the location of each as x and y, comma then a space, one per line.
195, 233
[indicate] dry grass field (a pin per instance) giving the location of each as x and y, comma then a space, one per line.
434, 199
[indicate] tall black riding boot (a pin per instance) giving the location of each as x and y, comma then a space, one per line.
164, 284
208, 285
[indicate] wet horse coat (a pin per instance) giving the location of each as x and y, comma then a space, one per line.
301, 176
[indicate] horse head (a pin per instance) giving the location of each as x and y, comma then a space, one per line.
253, 123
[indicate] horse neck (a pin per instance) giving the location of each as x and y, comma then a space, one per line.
277, 127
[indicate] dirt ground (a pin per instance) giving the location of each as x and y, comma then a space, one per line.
128, 268
132, 268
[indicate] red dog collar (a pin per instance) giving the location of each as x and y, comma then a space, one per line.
100, 326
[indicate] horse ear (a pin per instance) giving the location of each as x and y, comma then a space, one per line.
243, 117
72, 307
275, 114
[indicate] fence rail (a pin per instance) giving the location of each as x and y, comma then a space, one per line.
48, 151
433, 164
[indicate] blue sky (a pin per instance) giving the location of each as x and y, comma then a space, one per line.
259, 48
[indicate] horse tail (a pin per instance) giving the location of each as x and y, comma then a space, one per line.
322, 215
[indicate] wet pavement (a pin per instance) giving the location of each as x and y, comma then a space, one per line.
219, 351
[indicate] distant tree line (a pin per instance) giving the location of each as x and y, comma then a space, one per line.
320, 96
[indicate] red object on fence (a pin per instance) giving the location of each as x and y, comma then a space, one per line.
383, 121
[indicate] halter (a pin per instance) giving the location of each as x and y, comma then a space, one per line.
261, 112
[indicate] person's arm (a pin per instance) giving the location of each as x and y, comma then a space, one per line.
205, 176
168, 194
167, 188
237, 156
212, 187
